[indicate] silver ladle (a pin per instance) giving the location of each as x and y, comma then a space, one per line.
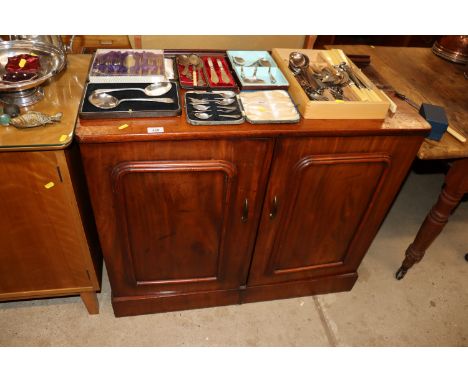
301, 63
299, 60
208, 116
106, 101
151, 90
185, 62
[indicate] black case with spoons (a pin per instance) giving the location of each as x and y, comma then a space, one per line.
136, 109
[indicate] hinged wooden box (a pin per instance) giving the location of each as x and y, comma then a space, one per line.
375, 107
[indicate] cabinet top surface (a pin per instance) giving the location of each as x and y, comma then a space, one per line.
62, 94
405, 121
424, 77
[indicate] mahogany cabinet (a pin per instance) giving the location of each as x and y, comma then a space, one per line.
325, 200
202, 216
177, 218
47, 238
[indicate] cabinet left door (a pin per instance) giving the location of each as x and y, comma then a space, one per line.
176, 217
43, 250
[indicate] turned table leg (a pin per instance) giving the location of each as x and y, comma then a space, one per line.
456, 185
90, 301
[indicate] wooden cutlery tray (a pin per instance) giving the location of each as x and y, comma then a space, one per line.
371, 109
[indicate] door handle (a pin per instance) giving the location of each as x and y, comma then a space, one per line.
245, 211
274, 208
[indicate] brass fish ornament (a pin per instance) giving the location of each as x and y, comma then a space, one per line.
34, 119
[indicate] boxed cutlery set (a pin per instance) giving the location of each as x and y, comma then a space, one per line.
212, 108
130, 65
124, 100
204, 71
268, 106
322, 84
325, 84
229, 108
256, 70
130, 83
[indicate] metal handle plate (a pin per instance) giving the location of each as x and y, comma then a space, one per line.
274, 208
245, 211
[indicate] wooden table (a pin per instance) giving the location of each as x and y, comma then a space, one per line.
424, 77
48, 243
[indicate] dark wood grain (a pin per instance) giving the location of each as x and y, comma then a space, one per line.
332, 195
306, 287
169, 214
424, 77
43, 247
169, 207
172, 215
48, 241
90, 301
456, 185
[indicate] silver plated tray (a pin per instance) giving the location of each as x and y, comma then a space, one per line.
51, 58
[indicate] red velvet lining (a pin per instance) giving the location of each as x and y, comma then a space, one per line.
205, 72
218, 71
185, 80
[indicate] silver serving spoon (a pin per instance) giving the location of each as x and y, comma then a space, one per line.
267, 64
184, 61
208, 116
106, 101
241, 61
197, 65
299, 60
151, 90
299, 63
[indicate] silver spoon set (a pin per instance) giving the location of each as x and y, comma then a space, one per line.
326, 84
323, 85
262, 62
103, 100
218, 102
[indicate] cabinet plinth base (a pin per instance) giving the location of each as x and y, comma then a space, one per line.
136, 305
323, 285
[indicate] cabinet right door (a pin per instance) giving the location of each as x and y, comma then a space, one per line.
325, 200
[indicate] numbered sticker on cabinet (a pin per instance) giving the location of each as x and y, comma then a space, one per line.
153, 130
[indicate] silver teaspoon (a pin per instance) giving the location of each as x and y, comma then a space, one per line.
223, 102
208, 116
200, 107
